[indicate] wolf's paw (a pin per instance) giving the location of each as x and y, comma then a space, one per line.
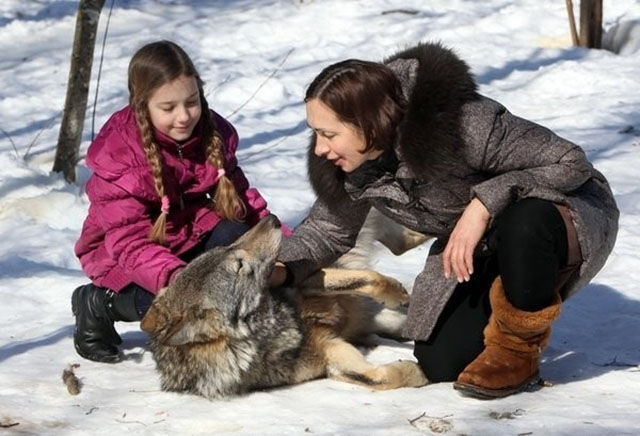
400, 374
412, 374
392, 293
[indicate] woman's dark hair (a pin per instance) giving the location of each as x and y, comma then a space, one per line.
365, 94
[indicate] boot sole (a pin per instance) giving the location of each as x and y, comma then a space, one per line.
490, 394
115, 358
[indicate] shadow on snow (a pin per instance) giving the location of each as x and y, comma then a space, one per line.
596, 334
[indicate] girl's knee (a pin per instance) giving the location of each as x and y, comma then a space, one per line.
225, 233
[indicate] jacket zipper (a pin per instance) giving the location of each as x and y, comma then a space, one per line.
180, 191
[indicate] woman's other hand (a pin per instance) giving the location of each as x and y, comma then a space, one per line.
458, 254
278, 275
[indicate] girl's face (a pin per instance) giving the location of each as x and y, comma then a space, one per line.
174, 108
341, 143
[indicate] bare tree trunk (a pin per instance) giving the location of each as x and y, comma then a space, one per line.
75, 105
591, 23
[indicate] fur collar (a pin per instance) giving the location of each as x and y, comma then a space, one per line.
429, 133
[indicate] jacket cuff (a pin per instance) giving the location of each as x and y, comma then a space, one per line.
174, 274
286, 231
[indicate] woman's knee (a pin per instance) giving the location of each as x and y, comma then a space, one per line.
532, 247
531, 221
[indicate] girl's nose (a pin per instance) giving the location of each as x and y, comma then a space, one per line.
183, 114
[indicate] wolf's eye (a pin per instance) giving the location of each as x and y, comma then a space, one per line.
242, 267
237, 265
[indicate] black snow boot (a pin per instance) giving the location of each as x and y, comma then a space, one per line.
95, 310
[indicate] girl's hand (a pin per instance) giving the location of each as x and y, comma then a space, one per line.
458, 254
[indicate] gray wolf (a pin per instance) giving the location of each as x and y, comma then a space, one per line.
218, 330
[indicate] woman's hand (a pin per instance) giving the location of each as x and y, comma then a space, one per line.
278, 275
458, 254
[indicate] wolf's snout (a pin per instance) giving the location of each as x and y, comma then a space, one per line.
272, 220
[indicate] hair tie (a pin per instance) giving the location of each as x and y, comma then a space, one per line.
164, 207
220, 174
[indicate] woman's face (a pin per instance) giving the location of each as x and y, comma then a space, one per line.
174, 108
341, 143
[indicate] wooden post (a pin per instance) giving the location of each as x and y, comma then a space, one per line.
75, 105
591, 23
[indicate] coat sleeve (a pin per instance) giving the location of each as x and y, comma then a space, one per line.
126, 223
520, 156
323, 236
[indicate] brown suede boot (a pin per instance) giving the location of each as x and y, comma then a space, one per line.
514, 340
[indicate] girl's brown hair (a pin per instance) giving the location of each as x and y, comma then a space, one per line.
152, 66
365, 94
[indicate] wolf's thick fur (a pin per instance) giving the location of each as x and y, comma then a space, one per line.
218, 329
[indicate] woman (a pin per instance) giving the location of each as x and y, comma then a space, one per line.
522, 219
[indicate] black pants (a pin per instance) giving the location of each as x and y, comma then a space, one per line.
527, 248
225, 233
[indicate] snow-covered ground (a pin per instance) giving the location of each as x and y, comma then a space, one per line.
520, 54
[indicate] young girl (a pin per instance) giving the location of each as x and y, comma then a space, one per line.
165, 187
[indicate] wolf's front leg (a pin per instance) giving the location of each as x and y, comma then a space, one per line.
346, 363
367, 283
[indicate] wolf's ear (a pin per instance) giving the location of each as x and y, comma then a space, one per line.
173, 325
160, 322
192, 331
150, 322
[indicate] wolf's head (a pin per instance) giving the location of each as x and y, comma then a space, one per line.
216, 292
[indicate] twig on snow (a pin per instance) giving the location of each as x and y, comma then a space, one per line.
435, 424
6, 423
400, 11
13, 144
615, 362
274, 145
506, 415
273, 73
91, 410
121, 421
411, 421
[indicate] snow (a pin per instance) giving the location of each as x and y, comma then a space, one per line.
520, 54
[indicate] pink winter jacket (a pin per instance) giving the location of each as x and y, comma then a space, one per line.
114, 248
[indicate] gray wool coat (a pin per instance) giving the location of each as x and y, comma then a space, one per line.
452, 145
